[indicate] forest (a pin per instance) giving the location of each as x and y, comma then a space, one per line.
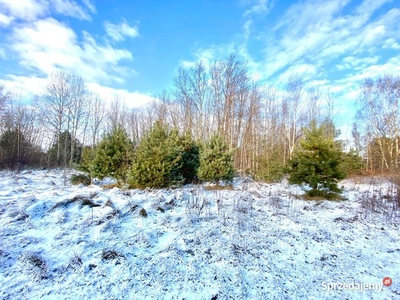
259, 125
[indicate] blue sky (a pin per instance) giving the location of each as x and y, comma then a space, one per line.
133, 48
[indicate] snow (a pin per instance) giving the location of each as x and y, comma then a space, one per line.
257, 241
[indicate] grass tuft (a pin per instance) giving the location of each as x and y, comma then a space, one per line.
80, 179
34, 265
75, 262
228, 187
143, 213
323, 196
110, 254
77, 199
110, 186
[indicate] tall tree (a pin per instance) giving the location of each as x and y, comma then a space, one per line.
63, 108
77, 111
54, 106
378, 118
292, 113
96, 117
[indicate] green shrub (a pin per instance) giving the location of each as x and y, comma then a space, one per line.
216, 161
271, 168
352, 163
112, 156
80, 179
190, 160
316, 162
157, 161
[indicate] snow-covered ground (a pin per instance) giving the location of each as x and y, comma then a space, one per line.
257, 241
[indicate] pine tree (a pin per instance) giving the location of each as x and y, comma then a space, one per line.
216, 162
157, 160
190, 160
88, 154
113, 155
316, 162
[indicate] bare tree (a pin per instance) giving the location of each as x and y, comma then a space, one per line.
117, 114
4, 98
378, 118
96, 117
77, 110
63, 110
191, 93
54, 106
292, 114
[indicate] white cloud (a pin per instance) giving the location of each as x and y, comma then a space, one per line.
318, 32
208, 55
392, 66
71, 9
31, 86
317, 83
131, 99
24, 9
305, 71
47, 44
27, 86
258, 7
391, 43
5, 20
29, 10
118, 32
43, 44
358, 63
186, 64
89, 5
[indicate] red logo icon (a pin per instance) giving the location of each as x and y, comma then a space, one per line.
387, 281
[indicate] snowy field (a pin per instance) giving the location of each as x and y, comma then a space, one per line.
257, 241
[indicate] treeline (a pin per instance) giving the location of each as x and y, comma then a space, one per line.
259, 125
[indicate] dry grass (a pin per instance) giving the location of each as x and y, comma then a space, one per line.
228, 187
110, 254
326, 196
34, 266
381, 202
143, 213
111, 186
77, 199
75, 262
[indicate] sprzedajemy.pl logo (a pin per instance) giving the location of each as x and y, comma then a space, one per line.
356, 286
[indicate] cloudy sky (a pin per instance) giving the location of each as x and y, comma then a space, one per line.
134, 48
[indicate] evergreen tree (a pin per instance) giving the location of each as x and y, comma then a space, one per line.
16, 149
88, 155
352, 163
316, 162
157, 160
216, 161
190, 160
271, 167
112, 156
